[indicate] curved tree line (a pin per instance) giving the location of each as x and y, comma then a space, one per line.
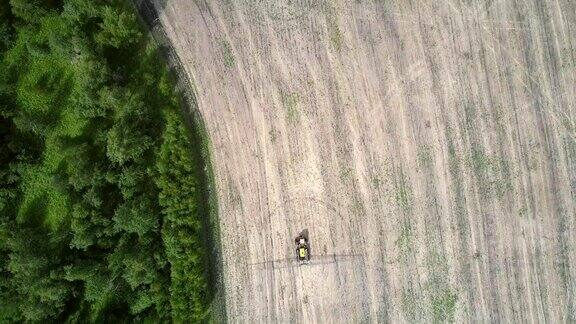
100, 197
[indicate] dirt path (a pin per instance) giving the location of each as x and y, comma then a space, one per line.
432, 144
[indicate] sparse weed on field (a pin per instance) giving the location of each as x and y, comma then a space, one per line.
380, 181
227, 54
376, 182
425, 156
411, 304
336, 38
455, 166
403, 193
234, 195
442, 298
470, 116
404, 241
493, 174
438, 269
357, 207
523, 211
444, 306
480, 161
273, 133
334, 33
533, 155
290, 102
345, 174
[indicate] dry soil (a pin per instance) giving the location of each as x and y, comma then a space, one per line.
429, 145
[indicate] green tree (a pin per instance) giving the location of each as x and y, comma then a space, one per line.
6, 28
138, 215
118, 28
128, 138
34, 260
31, 11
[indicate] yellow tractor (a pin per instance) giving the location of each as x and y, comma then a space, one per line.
302, 249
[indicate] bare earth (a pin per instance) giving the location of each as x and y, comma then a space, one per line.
430, 144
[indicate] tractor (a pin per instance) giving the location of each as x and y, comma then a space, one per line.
302, 249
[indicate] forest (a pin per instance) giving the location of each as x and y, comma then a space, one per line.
101, 194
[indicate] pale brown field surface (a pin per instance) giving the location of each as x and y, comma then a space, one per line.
432, 144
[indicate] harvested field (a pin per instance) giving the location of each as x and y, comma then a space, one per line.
430, 144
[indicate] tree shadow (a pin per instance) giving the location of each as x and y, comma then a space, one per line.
33, 213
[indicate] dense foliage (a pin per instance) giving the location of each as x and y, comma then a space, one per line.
100, 216
178, 182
